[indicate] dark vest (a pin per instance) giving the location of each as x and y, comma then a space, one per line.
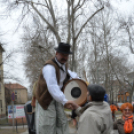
42, 95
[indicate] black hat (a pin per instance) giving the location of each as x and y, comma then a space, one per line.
63, 48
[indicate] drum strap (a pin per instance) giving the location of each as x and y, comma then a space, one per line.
57, 64
67, 76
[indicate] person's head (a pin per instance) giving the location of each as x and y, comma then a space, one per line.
96, 93
62, 58
126, 109
62, 52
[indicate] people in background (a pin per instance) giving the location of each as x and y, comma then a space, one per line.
106, 98
125, 124
95, 117
113, 110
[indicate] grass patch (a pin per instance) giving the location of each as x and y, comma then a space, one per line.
67, 109
3, 121
11, 131
118, 112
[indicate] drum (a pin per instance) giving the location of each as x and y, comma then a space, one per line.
76, 90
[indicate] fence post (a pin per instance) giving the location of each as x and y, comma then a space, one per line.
16, 125
23, 122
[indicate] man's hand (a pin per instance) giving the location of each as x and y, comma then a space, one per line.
71, 105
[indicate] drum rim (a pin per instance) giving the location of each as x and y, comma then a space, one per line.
72, 80
79, 80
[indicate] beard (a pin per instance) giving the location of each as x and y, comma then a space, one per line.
63, 60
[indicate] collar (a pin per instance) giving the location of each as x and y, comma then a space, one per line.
89, 104
95, 103
61, 65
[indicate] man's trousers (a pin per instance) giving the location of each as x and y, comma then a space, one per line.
51, 121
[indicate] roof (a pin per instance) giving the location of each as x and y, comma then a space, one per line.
14, 86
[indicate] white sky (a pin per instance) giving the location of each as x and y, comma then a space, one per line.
13, 41
124, 7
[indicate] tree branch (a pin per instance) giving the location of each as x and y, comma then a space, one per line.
87, 21
45, 20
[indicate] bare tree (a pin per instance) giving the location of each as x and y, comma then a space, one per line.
126, 28
51, 24
102, 39
38, 50
104, 61
65, 24
6, 59
126, 25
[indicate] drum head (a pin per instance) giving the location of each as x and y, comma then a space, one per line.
76, 90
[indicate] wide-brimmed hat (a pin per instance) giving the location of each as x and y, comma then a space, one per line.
63, 48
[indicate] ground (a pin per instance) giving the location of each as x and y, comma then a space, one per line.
11, 131
21, 130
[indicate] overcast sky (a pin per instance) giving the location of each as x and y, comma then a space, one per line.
14, 42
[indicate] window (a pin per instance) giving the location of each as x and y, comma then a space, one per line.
15, 97
15, 91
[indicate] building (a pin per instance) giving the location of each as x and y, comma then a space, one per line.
2, 89
117, 89
123, 96
21, 96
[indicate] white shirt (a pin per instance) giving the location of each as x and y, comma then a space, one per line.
49, 74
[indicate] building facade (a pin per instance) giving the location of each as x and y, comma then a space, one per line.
21, 96
123, 96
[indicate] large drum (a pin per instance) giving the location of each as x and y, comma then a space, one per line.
76, 90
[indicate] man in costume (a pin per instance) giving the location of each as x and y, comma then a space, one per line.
95, 117
50, 116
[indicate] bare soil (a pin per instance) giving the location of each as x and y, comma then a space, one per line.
11, 131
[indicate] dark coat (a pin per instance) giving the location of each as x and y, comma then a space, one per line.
119, 124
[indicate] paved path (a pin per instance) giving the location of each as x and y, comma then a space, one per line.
25, 132
115, 132
11, 127
73, 131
